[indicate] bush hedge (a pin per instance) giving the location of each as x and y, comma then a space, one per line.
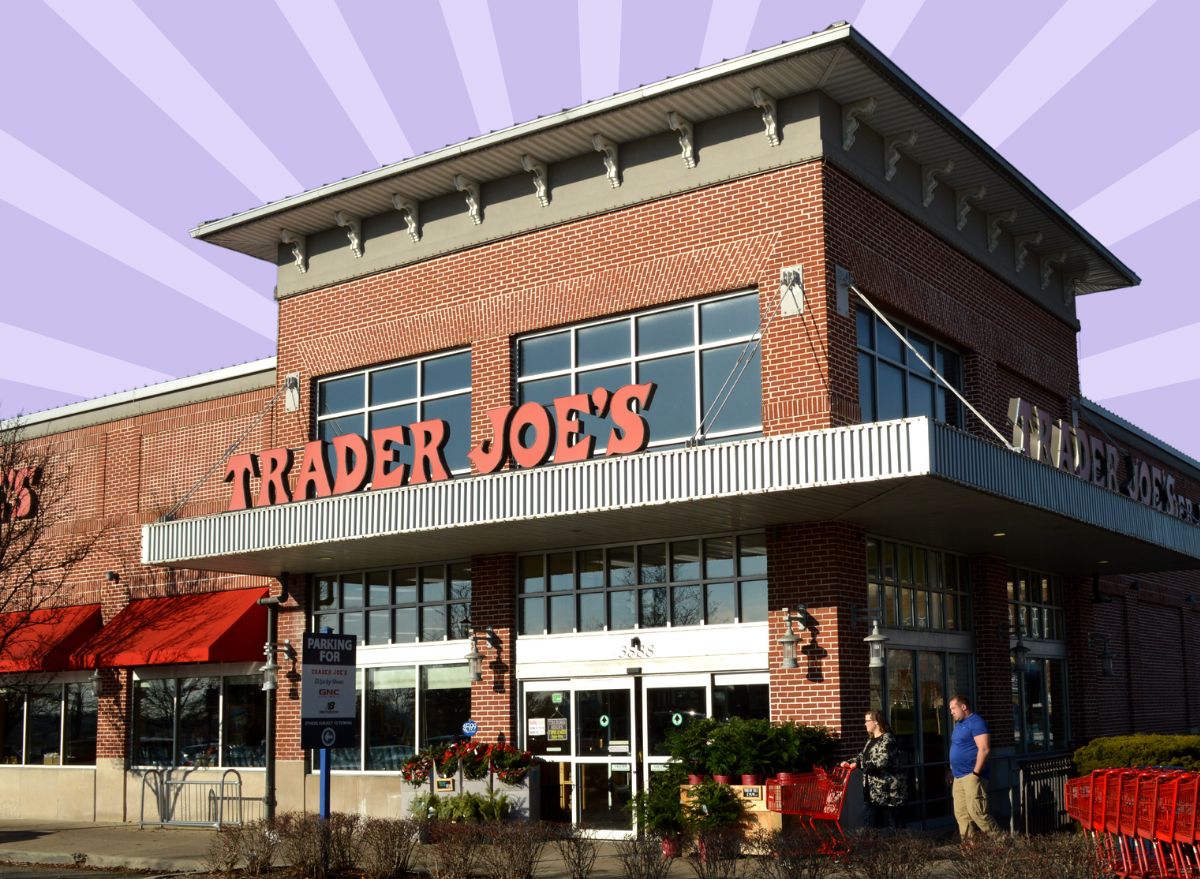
1119, 752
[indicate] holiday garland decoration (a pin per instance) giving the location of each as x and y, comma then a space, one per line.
475, 759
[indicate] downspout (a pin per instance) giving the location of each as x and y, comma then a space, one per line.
272, 602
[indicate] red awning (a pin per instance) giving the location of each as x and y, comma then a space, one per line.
207, 627
45, 639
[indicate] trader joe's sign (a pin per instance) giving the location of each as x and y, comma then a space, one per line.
526, 435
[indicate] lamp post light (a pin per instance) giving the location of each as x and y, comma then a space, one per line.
475, 658
789, 639
875, 641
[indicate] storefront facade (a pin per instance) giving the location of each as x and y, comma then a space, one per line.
611, 396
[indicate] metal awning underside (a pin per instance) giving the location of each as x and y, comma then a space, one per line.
837, 61
912, 480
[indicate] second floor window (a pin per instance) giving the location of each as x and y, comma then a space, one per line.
1035, 605
697, 354
399, 394
892, 383
912, 587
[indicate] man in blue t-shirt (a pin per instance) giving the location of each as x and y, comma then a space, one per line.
969, 746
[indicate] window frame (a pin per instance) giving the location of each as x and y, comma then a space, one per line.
24, 689
943, 402
878, 584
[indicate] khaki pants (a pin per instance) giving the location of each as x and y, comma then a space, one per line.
971, 806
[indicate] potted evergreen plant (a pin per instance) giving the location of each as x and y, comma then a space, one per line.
688, 746
659, 811
715, 816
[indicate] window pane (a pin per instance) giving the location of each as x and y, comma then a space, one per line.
653, 607
599, 344
406, 625
351, 757
199, 720
245, 726
391, 717
154, 723
443, 374
591, 568
379, 589
544, 354
460, 581
620, 566
610, 378
554, 710
562, 570
544, 390
562, 614
752, 557
728, 318
445, 703
622, 609
718, 557
533, 616
379, 626
433, 623
887, 343
890, 392
719, 603
865, 323
458, 615
673, 412
404, 586
79, 748
920, 397
340, 394
433, 583
925, 349
44, 726
456, 412
12, 724
352, 624
685, 560
665, 330
687, 607
531, 574
754, 601
742, 700
394, 384
739, 405
591, 612
327, 592
352, 591
866, 386
652, 563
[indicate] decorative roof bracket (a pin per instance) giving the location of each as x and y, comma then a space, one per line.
1022, 243
892, 151
850, 115
1047, 264
931, 175
965, 201
410, 215
470, 189
993, 226
299, 245
602, 144
353, 227
687, 140
541, 178
766, 103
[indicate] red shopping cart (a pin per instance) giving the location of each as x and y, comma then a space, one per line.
816, 798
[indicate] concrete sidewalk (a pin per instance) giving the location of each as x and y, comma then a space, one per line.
172, 849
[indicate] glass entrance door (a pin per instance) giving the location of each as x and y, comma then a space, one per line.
585, 732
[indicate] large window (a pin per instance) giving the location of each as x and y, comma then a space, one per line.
399, 394
892, 383
912, 587
48, 725
199, 721
700, 355
1039, 677
687, 582
407, 708
400, 606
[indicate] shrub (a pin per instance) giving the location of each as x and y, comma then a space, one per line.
992, 857
300, 841
453, 851
899, 855
789, 854
577, 847
342, 840
1065, 856
642, 858
258, 843
513, 850
224, 851
1139, 750
717, 852
386, 847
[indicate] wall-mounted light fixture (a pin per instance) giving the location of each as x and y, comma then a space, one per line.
875, 641
475, 657
112, 577
95, 680
1102, 641
789, 639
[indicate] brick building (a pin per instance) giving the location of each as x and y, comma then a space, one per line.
618, 398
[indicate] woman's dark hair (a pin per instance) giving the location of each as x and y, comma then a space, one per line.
880, 719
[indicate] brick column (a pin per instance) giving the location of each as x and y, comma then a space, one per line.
493, 603
822, 566
993, 662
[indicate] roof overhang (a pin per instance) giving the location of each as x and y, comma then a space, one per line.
912, 480
837, 61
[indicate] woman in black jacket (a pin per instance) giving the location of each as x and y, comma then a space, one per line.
885, 788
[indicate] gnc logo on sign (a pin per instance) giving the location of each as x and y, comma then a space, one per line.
526, 435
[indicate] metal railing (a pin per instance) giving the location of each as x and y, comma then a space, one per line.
1043, 793
197, 802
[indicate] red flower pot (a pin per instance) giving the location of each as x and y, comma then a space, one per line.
695, 779
671, 846
751, 779
723, 779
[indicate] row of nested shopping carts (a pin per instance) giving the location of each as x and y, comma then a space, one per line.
1143, 819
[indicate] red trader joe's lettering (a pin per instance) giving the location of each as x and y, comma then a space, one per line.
525, 434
